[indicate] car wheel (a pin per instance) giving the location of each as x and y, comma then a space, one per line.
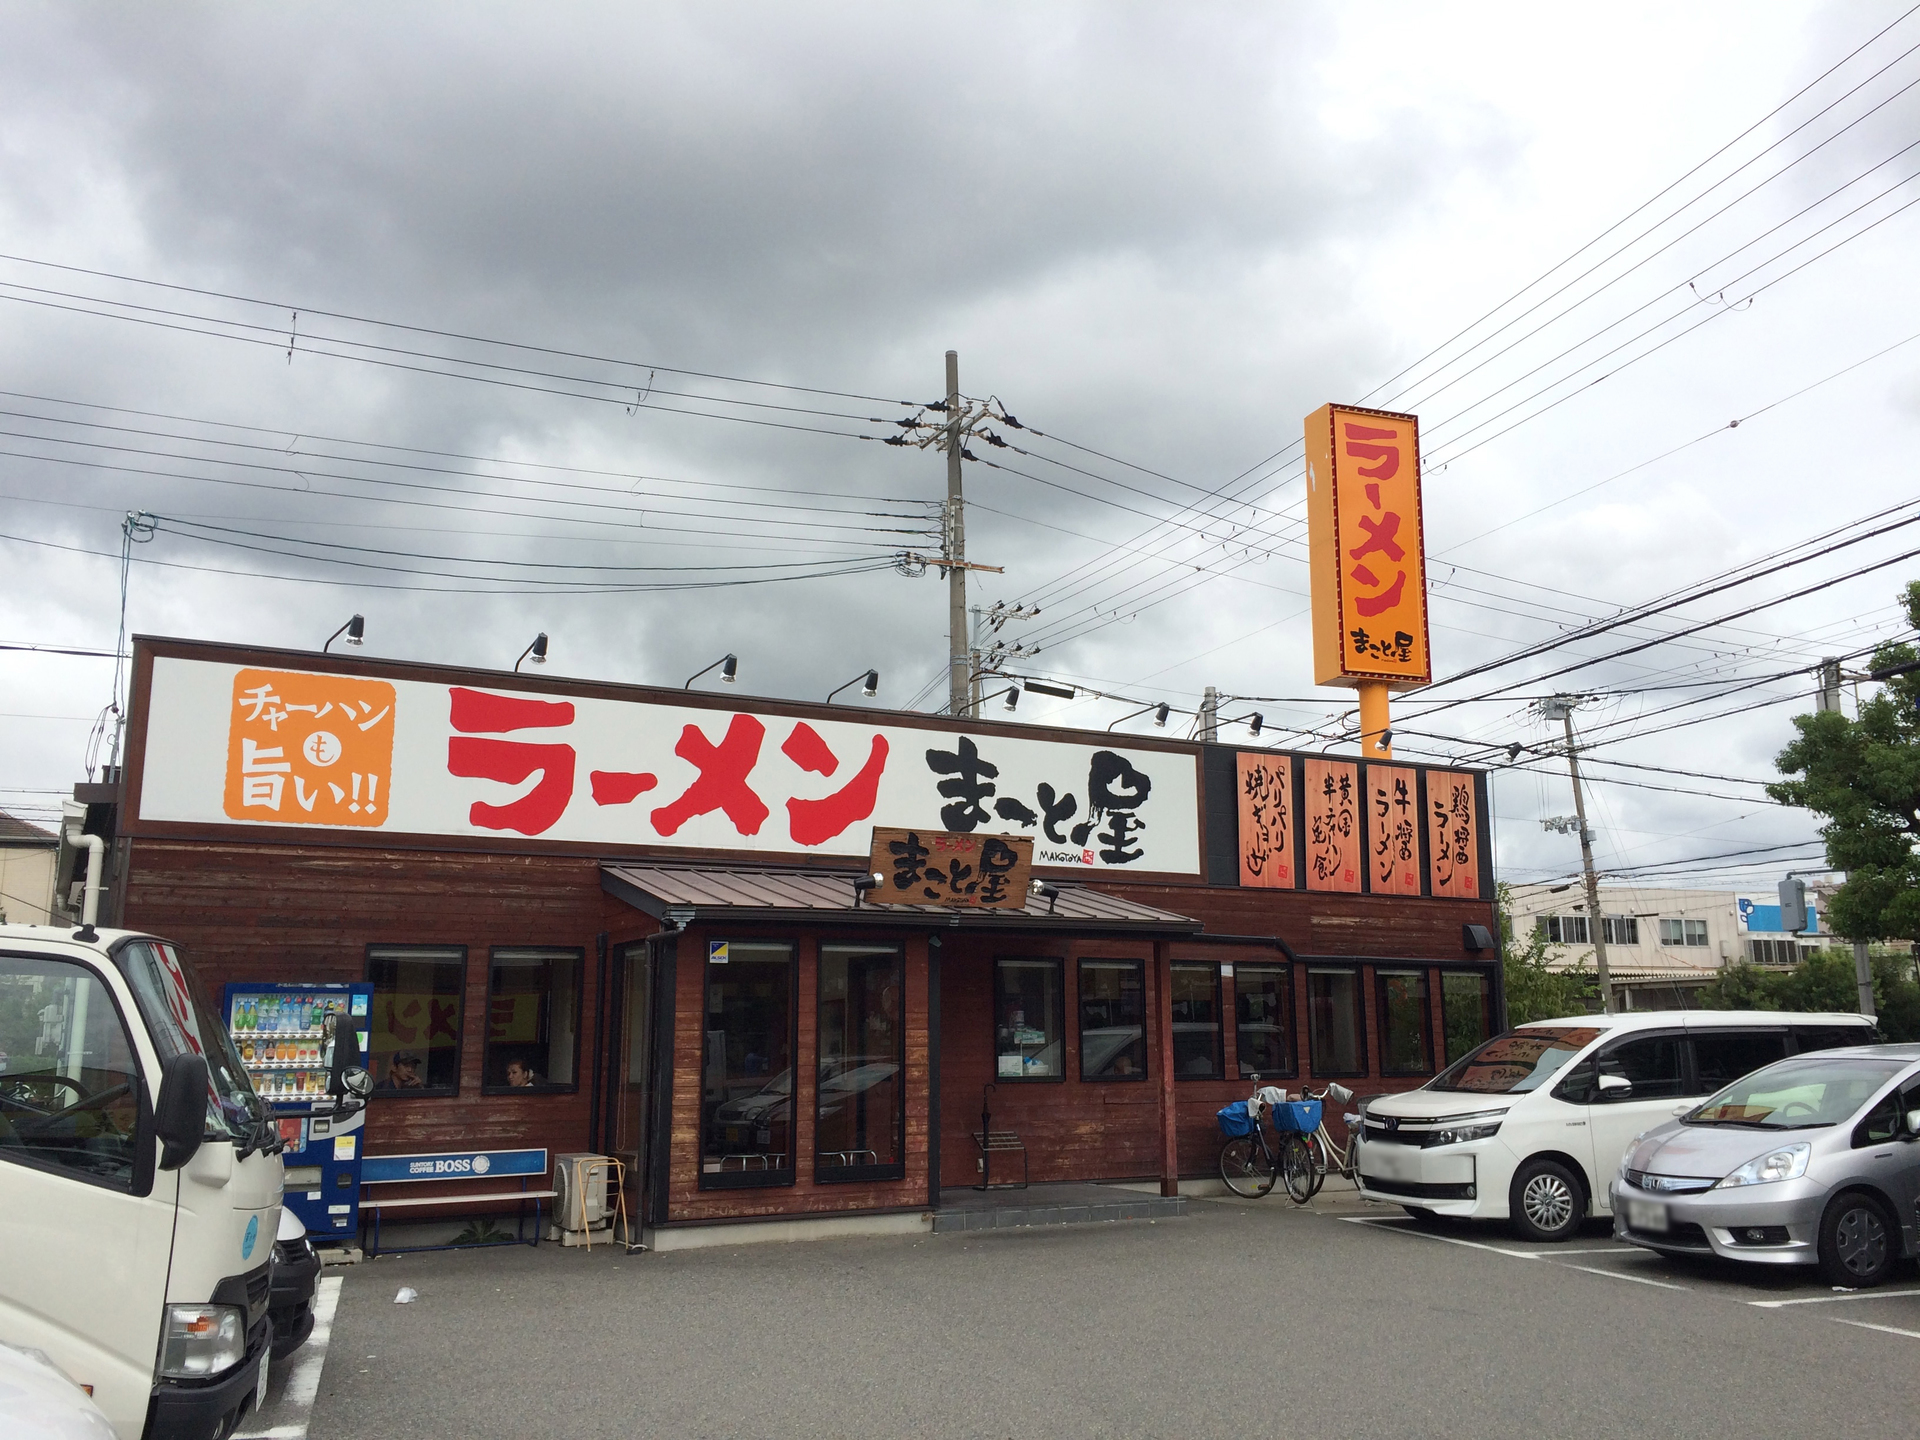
1858, 1244
1547, 1201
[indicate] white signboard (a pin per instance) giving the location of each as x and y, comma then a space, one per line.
228, 744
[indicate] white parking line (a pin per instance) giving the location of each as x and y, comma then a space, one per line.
1398, 1229
303, 1381
1833, 1299
1636, 1279
1883, 1329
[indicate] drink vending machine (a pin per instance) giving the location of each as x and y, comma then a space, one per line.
285, 1037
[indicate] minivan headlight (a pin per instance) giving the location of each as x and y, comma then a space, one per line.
202, 1341
1460, 1134
1789, 1162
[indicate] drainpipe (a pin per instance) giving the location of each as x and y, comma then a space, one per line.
96, 849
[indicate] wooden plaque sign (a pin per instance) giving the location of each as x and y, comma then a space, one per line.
937, 867
1332, 809
1393, 830
1266, 819
1453, 835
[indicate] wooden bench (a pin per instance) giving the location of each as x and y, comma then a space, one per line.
477, 1166
999, 1142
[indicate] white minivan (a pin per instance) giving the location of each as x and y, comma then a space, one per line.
139, 1183
1530, 1126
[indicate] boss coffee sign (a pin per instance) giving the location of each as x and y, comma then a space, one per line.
252, 746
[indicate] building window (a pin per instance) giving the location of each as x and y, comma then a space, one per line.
1113, 1020
1683, 932
1029, 1019
1263, 1020
419, 994
1336, 1023
1773, 952
1620, 929
860, 1096
746, 1096
1466, 1008
1406, 1041
1196, 1023
1564, 929
533, 1019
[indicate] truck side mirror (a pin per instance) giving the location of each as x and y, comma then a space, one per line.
180, 1117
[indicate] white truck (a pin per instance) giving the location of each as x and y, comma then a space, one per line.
139, 1182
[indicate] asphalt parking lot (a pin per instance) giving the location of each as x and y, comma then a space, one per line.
1243, 1315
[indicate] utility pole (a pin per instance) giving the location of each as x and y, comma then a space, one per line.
959, 658
1209, 727
1561, 708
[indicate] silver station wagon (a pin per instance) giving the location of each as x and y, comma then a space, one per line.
1812, 1160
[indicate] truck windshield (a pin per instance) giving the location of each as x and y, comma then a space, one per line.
1799, 1094
1516, 1062
178, 1018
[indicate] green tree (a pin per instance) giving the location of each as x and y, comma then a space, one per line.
1533, 991
1863, 777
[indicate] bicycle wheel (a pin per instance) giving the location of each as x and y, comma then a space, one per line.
1296, 1168
1247, 1166
1316, 1149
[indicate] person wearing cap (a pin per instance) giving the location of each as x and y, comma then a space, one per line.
403, 1072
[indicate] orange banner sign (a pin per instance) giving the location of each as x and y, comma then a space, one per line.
1393, 830
1332, 810
1368, 547
1453, 835
309, 749
1266, 819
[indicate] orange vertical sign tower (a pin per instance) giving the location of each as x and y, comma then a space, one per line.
1369, 561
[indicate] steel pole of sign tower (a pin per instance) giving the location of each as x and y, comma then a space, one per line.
959, 662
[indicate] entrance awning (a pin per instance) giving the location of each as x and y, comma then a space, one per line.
766, 894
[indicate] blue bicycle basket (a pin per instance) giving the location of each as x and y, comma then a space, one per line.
1301, 1115
1234, 1119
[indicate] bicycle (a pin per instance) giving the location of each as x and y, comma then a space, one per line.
1249, 1164
1323, 1152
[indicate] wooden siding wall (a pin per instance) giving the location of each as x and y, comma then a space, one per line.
1073, 1129
686, 1201
282, 914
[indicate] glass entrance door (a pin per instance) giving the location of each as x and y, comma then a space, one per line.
629, 1067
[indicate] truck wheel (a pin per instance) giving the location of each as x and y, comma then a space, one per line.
1547, 1201
1857, 1243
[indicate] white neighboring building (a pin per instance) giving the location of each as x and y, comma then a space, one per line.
28, 857
1659, 942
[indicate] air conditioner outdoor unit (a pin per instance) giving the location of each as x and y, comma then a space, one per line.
581, 1204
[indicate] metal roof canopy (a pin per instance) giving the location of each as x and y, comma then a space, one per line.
687, 894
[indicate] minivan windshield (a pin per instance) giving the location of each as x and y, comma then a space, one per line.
1805, 1093
181, 1022
1516, 1062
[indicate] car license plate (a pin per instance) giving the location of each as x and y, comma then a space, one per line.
1646, 1215
260, 1385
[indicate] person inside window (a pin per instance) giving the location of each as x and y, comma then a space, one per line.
403, 1072
520, 1074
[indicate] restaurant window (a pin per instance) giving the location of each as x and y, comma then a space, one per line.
533, 1019
860, 1094
1196, 1023
419, 995
1406, 1042
1113, 1020
1029, 1019
1466, 1009
1263, 1020
1336, 1023
746, 1096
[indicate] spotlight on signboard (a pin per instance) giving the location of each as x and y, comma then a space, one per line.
536, 652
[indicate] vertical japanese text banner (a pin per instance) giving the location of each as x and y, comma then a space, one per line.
1367, 548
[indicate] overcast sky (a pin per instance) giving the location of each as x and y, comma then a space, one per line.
1161, 233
